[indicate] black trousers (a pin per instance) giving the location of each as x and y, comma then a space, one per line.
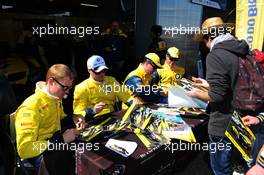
61, 161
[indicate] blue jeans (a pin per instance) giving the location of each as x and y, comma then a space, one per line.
220, 155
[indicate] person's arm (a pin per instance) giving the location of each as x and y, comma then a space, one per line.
80, 102
218, 77
156, 78
146, 93
200, 82
256, 170
202, 95
253, 120
217, 81
27, 127
259, 167
121, 94
63, 115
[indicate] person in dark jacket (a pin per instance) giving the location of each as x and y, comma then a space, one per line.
8, 105
7, 97
158, 45
114, 47
222, 71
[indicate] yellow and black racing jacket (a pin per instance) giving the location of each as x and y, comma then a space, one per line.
37, 119
167, 77
90, 92
139, 84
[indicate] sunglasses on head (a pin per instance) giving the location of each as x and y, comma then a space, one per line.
65, 88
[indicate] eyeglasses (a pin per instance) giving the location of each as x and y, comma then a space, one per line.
174, 59
151, 62
65, 88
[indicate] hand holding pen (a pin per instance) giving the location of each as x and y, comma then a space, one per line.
99, 107
79, 122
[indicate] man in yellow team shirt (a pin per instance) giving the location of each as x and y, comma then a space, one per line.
139, 81
98, 94
38, 122
170, 74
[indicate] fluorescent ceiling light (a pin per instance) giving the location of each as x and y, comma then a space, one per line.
89, 5
61, 14
7, 7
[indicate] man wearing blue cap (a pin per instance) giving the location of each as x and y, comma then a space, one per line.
97, 95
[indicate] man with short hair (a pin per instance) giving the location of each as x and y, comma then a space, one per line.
222, 71
98, 94
38, 118
170, 74
139, 81
157, 45
114, 46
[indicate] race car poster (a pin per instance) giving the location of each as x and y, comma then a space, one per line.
241, 136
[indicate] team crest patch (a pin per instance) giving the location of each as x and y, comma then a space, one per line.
178, 76
108, 89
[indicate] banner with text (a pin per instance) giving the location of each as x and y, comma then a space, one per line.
250, 22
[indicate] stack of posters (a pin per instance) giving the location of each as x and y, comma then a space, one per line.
177, 95
175, 127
